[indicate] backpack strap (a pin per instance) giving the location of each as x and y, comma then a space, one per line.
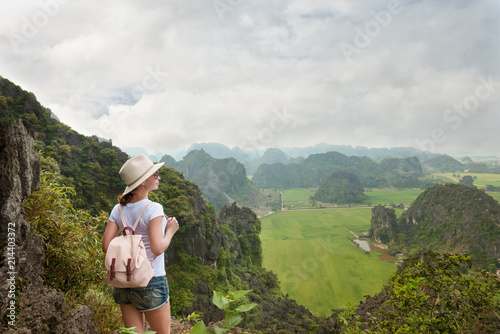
140, 215
125, 225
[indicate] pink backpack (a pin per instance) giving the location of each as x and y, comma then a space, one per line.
126, 259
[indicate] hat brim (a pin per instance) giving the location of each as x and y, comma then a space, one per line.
143, 178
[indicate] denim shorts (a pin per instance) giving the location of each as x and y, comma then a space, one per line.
149, 298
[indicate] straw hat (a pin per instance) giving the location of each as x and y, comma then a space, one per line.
136, 170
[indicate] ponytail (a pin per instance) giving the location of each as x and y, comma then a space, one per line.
125, 199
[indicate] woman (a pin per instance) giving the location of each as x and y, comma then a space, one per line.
141, 177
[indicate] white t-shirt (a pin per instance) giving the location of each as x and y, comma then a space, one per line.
130, 212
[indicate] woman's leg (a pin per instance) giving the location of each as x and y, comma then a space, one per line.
159, 319
132, 318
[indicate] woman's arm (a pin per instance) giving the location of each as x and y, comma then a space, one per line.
110, 233
159, 242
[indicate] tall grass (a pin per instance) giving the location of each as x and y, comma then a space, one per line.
106, 314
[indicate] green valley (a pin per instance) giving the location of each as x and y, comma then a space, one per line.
316, 263
308, 247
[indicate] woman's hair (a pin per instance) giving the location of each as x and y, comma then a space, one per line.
125, 199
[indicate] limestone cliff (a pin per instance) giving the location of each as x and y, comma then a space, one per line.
38, 309
383, 223
222, 181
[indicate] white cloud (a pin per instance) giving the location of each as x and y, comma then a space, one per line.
165, 74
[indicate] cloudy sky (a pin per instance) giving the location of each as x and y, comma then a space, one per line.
160, 74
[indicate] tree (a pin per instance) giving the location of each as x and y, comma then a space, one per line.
430, 294
467, 180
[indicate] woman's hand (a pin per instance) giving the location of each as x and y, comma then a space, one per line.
172, 225
160, 241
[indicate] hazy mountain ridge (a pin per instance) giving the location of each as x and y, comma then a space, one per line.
250, 157
313, 171
253, 158
443, 163
222, 181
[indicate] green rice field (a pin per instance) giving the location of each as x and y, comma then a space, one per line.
299, 197
315, 262
481, 180
387, 197
495, 196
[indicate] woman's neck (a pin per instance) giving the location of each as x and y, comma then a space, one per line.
139, 195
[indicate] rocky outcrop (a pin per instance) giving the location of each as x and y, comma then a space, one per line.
236, 232
455, 218
383, 217
246, 228
384, 226
26, 304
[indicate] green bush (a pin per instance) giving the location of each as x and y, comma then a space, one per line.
430, 294
74, 260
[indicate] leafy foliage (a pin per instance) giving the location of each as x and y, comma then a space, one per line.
132, 330
467, 180
73, 256
233, 318
429, 294
106, 316
183, 278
